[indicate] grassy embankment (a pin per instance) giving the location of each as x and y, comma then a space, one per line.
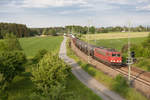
131, 94
22, 87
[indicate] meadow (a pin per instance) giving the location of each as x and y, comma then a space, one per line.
22, 88
114, 35
32, 45
117, 43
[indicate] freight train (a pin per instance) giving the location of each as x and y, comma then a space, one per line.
108, 56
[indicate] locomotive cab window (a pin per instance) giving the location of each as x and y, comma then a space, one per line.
115, 55
118, 55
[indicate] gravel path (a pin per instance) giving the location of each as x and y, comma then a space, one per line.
85, 78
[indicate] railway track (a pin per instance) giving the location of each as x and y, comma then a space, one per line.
133, 77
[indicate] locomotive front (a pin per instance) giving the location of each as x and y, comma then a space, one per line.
115, 58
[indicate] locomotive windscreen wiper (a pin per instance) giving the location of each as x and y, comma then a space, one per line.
115, 55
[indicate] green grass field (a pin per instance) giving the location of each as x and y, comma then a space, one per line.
22, 86
117, 43
132, 94
114, 35
32, 45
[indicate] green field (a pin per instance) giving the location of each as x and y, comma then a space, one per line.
114, 35
22, 86
117, 43
32, 45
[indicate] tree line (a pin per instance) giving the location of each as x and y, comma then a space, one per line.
21, 30
89, 30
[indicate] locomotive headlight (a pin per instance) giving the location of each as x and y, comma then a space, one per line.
112, 60
118, 60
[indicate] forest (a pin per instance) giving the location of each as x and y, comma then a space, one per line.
21, 30
18, 30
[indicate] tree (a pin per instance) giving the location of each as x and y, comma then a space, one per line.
50, 76
84, 30
39, 55
10, 43
52, 32
19, 30
120, 85
92, 29
11, 64
147, 42
44, 32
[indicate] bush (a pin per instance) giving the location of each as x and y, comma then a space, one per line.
39, 55
120, 85
52, 32
10, 43
147, 42
50, 76
11, 64
139, 50
143, 63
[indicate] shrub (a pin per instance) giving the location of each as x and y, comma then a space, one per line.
120, 85
144, 64
139, 50
10, 43
52, 32
39, 55
11, 64
147, 42
50, 76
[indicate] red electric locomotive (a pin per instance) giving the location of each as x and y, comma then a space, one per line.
109, 56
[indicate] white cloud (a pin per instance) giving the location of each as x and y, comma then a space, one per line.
144, 8
123, 2
51, 3
119, 1
103, 12
143, 1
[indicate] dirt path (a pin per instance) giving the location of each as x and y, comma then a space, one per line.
85, 78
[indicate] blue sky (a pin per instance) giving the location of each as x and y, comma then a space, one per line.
50, 13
